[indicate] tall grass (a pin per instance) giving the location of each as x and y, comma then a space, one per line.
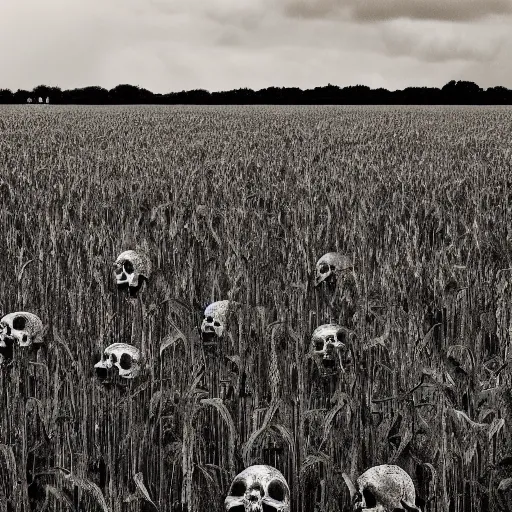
238, 203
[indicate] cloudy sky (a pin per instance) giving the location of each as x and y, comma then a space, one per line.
171, 45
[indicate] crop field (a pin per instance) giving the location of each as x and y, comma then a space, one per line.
239, 204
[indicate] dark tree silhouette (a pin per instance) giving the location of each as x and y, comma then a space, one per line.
6, 96
44, 91
453, 93
20, 96
462, 93
93, 95
130, 94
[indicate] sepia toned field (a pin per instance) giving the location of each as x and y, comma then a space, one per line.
239, 203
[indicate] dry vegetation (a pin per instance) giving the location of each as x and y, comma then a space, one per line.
239, 203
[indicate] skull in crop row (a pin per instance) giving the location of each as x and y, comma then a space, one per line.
214, 321
327, 342
121, 359
20, 328
132, 268
329, 266
385, 488
258, 489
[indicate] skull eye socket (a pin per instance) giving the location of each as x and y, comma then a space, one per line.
126, 362
114, 358
340, 336
216, 324
19, 323
238, 488
209, 319
276, 490
128, 267
369, 499
319, 344
324, 268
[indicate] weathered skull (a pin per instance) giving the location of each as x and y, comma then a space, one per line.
329, 266
504, 494
326, 343
124, 357
258, 489
21, 328
386, 488
131, 269
214, 321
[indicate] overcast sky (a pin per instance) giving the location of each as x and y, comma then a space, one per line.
171, 45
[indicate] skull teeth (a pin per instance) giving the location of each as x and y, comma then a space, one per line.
209, 337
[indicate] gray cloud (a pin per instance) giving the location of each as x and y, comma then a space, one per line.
171, 45
435, 42
313, 8
379, 10
447, 10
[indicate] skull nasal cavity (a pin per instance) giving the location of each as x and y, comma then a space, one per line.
126, 362
369, 499
257, 487
19, 323
128, 267
238, 488
276, 490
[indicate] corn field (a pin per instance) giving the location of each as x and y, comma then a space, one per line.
239, 203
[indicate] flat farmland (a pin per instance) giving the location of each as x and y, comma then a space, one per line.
239, 203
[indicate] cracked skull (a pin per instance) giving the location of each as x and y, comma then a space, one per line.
214, 321
258, 489
326, 344
385, 488
329, 266
131, 269
121, 359
21, 328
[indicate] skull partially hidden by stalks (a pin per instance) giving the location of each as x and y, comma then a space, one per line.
258, 489
385, 488
19, 329
214, 321
132, 268
119, 359
327, 342
329, 267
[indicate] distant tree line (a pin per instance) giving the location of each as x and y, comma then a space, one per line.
453, 93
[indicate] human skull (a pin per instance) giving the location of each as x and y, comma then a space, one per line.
329, 266
21, 328
121, 356
257, 489
385, 488
131, 269
214, 321
326, 344
504, 494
